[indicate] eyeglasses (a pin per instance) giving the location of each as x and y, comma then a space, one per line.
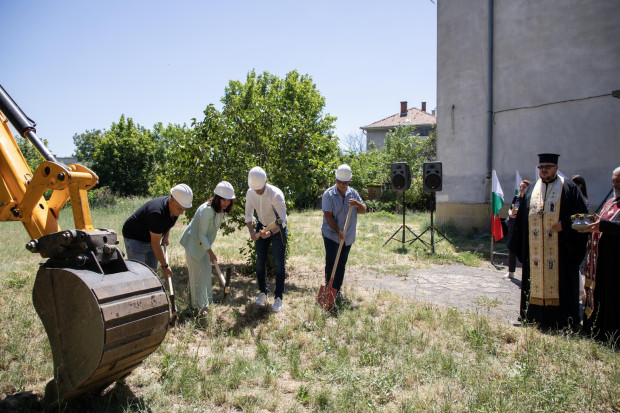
345, 183
541, 167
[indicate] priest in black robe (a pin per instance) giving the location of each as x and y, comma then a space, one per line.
549, 249
602, 310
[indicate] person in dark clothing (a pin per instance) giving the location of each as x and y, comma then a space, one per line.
581, 183
602, 310
149, 227
549, 248
512, 214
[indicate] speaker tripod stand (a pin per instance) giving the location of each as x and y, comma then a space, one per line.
432, 228
402, 228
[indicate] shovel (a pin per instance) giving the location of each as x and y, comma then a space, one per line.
225, 282
173, 304
327, 294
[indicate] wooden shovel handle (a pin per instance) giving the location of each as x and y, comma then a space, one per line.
346, 225
171, 294
270, 226
219, 273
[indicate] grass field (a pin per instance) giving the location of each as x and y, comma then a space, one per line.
379, 352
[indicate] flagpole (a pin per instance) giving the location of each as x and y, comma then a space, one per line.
491, 256
491, 247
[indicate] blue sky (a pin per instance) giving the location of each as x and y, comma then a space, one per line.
75, 65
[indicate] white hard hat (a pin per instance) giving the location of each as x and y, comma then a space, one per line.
344, 173
183, 195
225, 190
257, 178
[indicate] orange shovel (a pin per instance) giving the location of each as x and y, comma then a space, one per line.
327, 294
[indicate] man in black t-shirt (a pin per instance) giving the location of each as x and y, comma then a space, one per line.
149, 227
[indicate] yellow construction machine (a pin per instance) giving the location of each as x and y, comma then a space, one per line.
103, 315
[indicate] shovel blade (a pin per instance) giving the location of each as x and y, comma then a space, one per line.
227, 284
327, 296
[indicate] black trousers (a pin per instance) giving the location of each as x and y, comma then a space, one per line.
331, 250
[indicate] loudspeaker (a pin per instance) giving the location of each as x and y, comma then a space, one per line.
431, 176
401, 176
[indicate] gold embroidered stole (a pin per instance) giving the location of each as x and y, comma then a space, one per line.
609, 212
544, 212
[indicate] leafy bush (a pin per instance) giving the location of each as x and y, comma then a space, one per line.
101, 197
372, 167
383, 213
381, 206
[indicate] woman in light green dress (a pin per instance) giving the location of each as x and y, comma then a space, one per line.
198, 238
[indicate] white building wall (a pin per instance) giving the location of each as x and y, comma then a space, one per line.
378, 137
552, 62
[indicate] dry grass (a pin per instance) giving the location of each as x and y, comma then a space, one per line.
378, 352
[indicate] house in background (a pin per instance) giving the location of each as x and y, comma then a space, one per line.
424, 123
516, 78
67, 160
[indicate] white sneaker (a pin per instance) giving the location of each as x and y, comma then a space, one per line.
509, 275
262, 297
277, 305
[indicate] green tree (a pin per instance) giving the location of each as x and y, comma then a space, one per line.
165, 138
404, 145
125, 158
275, 123
31, 155
370, 167
85, 144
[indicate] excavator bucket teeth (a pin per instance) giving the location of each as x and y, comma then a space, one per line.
100, 326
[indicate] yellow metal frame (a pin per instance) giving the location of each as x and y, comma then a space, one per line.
21, 191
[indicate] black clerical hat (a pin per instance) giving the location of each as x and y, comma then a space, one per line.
548, 158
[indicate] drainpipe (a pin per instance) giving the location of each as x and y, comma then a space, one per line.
490, 95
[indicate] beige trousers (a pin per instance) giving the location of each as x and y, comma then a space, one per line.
199, 281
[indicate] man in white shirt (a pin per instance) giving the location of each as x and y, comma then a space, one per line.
268, 203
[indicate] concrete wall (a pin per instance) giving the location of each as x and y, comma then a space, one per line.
376, 136
552, 62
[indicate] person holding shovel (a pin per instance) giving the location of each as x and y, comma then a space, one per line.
268, 203
198, 238
147, 230
335, 205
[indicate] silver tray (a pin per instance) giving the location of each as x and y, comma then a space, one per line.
581, 222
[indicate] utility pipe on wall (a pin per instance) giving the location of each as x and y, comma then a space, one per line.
490, 94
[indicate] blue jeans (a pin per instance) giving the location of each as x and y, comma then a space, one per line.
141, 251
331, 250
262, 254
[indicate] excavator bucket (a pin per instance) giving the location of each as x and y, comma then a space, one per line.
103, 315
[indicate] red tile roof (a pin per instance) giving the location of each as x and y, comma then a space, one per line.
414, 117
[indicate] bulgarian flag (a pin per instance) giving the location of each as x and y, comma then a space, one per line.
497, 201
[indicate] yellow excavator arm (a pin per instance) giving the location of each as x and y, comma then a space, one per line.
21, 191
103, 315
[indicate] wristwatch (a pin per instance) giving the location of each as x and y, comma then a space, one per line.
165, 266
